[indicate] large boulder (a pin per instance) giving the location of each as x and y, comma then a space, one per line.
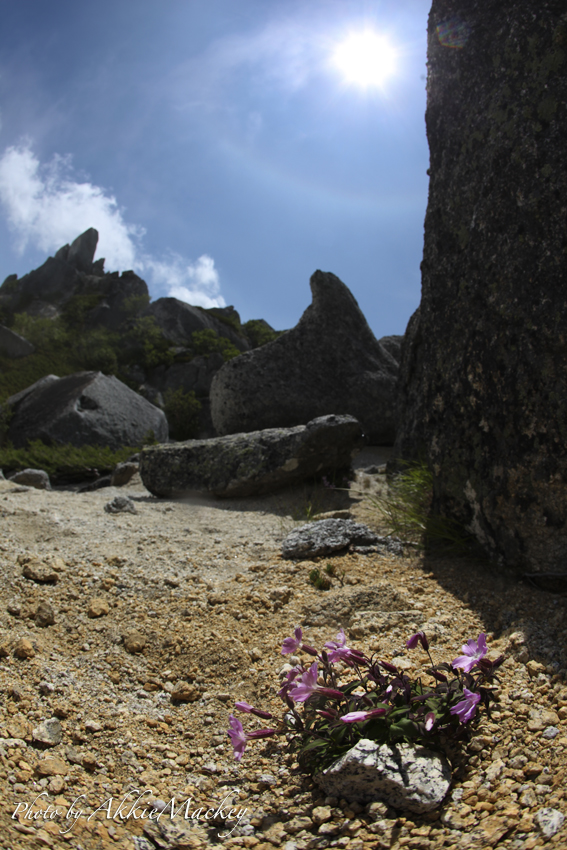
330, 362
87, 408
486, 393
195, 376
13, 345
179, 321
257, 462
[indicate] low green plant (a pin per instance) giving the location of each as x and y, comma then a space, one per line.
407, 512
63, 461
328, 708
318, 580
182, 411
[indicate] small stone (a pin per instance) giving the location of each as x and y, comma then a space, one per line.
44, 615
56, 785
184, 692
489, 832
92, 726
49, 732
134, 642
119, 505
550, 732
540, 718
297, 824
24, 649
255, 654
549, 821
4, 649
534, 668
89, 761
321, 814
98, 607
528, 798
37, 570
51, 766
73, 755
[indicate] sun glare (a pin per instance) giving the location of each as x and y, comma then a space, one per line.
365, 59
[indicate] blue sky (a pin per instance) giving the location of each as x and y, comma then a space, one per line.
218, 148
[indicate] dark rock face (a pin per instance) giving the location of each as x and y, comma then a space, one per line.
178, 321
330, 362
195, 376
486, 367
257, 462
13, 345
87, 408
71, 272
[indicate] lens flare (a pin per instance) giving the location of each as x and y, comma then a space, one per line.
365, 59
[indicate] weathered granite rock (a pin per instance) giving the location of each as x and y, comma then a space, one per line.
13, 345
50, 732
406, 777
256, 462
486, 393
179, 320
549, 821
37, 478
330, 362
123, 473
87, 408
333, 535
325, 536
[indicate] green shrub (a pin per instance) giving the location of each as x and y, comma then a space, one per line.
258, 333
76, 309
145, 345
182, 411
207, 342
318, 580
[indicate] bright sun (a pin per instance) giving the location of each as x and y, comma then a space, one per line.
365, 58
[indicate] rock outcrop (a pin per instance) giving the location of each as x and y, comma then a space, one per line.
71, 273
485, 398
249, 463
179, 321
87, 408
330, 362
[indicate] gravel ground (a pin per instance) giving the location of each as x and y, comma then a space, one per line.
192, 597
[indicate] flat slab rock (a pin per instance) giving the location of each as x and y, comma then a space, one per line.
404, 776
326, 536
250, 463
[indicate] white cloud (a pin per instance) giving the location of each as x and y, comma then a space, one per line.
197, 283
46, 208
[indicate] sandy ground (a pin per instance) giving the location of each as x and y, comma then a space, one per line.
195, 592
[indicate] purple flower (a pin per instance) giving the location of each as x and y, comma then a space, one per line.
290, 676
429, 721
418, 637
239, 737
359, 716
292, 644
466, 708
307, 686
473, 652
341, 652
249, 709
